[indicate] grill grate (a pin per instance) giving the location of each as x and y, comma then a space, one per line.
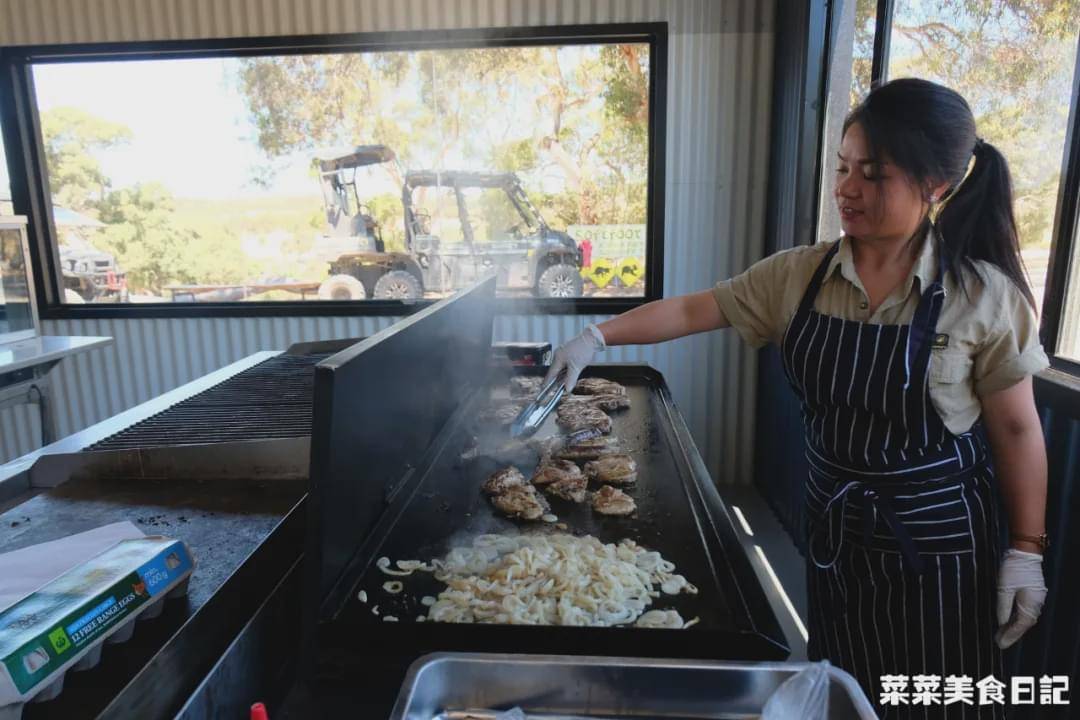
266, 401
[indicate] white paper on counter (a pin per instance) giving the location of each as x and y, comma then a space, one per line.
24, 571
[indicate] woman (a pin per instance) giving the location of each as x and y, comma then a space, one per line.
897, 339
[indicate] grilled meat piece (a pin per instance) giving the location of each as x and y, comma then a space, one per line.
575, 402
503, 479
612, 501
610, 401
525, 386
579, 436
501, 413
578, 419
512, 451
598, 386
565, 409
553, 470
522, 501
549, 446
589, 449
544, 447
572, 488
508, 452
607, 402
615, 469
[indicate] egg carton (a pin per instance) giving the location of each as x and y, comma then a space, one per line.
63, 626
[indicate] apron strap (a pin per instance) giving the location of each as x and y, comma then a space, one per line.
874, 499
807, 302
871, 499
924, 324
870, 502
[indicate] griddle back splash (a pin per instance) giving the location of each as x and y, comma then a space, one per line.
379, 409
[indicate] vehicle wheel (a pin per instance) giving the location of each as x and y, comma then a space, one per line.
560, 281
342, 287
398, 285
73, 298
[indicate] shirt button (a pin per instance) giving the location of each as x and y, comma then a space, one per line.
863, 305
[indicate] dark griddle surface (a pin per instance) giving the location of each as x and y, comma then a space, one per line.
269, 400
448, 509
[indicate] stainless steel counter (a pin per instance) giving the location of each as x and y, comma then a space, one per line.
25, 368
44, 350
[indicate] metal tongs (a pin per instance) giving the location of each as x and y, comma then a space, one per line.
532, 417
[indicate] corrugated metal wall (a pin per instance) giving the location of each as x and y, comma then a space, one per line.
719, 81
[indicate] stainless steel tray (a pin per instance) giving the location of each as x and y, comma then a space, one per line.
443, 686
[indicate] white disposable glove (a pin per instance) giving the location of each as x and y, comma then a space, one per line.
1021, 594
575, 355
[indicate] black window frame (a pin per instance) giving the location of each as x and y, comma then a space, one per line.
1067, 211
22, 141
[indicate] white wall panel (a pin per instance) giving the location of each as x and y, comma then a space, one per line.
719, 81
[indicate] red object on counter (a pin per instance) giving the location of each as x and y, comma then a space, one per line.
258, 712
586, 253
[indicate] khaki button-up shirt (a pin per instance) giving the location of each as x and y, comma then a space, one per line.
990, 342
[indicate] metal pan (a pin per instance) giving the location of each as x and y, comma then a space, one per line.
447, 686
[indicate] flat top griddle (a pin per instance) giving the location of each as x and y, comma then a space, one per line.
449, 510
679, 514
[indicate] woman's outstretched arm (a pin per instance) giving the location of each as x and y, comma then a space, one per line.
665, 319
651, 323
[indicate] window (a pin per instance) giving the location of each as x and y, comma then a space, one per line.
848, 84
364, 173
1014, 62
6, 208
16, 312
1068, 330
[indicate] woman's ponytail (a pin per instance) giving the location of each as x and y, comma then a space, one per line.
977, 219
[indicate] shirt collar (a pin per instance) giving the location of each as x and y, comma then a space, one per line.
925, 267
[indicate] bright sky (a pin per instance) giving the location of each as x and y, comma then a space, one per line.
197, 142
192, 132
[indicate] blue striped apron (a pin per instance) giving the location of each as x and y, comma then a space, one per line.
903, 545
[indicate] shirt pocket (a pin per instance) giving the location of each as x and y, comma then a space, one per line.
952, 390
947, 368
